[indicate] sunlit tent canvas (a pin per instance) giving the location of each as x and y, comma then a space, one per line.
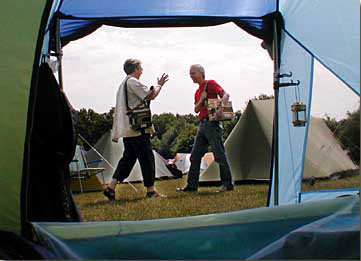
39, 218
249, 145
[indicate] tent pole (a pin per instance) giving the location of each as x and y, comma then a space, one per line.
59, 53
275, 51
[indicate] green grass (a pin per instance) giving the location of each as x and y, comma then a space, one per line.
131, 205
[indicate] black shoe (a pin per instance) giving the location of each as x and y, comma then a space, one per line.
226, 188
186, 189
109, 193
154, 194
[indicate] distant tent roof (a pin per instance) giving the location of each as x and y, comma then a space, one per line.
112, 152
249, 145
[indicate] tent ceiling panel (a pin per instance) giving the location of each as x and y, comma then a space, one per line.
76, 15
166, 8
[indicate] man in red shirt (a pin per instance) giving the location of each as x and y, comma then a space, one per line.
209, 132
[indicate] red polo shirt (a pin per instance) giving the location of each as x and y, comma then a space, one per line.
214, 90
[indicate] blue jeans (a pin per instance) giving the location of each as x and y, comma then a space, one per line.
209, 133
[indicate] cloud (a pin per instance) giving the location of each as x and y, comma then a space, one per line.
93, 66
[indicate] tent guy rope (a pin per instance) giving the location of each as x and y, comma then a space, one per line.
100, 155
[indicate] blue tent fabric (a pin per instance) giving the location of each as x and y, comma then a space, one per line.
292, 140
79, 18
166, 8
299, 47
263, 233
339, 53
335, 237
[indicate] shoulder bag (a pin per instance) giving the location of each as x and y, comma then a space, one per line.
140, 117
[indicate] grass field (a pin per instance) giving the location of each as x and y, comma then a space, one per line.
131, 205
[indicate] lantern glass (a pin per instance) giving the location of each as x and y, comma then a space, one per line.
298, 114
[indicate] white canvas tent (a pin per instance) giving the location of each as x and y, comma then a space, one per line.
112, 152
248, 147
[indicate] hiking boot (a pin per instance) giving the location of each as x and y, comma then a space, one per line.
186, 189
154, 194
226, 188
109, 193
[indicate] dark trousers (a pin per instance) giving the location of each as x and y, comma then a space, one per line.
209, 133
137, 148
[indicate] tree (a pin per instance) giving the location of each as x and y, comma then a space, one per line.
350, 135
92, 125
166, 142
184, 142
162, 122
348, 132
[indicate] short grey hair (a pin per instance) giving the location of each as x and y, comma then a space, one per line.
130, 65
199, 68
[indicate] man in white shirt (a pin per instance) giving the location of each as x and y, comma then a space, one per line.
137, 144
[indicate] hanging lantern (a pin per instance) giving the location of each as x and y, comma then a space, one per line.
299, 114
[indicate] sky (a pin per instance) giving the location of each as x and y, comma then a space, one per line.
93, 68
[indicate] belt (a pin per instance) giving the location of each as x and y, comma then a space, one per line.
205, 119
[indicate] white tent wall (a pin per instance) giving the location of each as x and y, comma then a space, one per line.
248, 147
112, 152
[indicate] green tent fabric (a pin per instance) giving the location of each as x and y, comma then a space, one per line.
19, 31
248, 147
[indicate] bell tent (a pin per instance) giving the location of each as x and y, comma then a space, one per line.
112, 152
39, 218
249, 145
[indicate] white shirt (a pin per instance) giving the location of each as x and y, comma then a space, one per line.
137, 92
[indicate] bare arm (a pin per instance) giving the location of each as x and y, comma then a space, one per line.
157, 89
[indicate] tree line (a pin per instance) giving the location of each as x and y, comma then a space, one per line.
175, 133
